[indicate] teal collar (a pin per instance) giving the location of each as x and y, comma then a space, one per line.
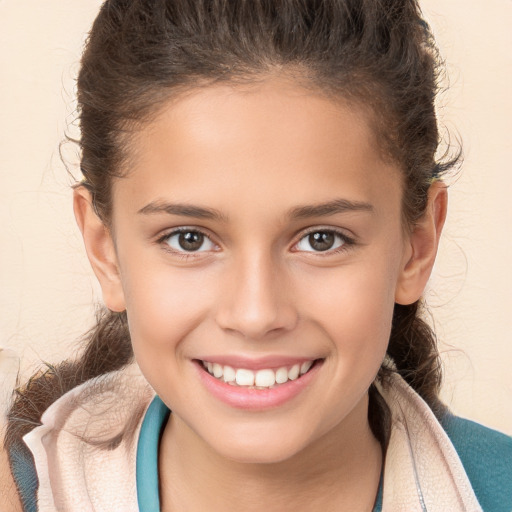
148, 495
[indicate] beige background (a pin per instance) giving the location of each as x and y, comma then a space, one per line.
47, 289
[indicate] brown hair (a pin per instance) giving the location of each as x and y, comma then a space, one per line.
379, 53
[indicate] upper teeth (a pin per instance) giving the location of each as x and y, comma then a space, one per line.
264, 378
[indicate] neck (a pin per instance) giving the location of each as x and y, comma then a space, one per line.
340, 471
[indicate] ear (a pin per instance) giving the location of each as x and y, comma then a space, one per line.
421, 247
100, 249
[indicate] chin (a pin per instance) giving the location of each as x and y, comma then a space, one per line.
259, 448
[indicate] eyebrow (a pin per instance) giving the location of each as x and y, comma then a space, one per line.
330, 208
185, 210
333, 207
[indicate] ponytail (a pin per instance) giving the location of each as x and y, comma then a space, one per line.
412, 353
108, 348
413, 350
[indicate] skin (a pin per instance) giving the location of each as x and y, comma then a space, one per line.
257, 287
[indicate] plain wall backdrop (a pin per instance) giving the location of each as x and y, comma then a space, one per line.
47, 289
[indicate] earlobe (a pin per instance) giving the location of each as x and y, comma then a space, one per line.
100, 249
422, 246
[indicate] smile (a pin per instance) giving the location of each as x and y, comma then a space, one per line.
257, 385
265, 378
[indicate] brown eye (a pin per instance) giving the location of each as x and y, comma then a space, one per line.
189, 241
321, 241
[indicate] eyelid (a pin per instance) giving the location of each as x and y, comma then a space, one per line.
161, 240
348, 241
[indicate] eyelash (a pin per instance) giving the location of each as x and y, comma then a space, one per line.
348, 242
183, 255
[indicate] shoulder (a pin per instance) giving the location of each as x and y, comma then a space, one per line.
85, 446
486, 455
88, 433
471, 459
8, 493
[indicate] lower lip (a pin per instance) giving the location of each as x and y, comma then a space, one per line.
256, 399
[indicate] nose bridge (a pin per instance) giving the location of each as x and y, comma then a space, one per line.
256, 301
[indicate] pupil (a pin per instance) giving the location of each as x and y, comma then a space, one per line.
322, 240
191, 241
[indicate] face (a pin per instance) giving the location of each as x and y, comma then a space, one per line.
258, 233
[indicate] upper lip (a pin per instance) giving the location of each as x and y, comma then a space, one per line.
253, 363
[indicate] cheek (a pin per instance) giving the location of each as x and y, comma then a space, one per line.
354, 305
164, 304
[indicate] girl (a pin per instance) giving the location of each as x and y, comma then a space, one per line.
262, 207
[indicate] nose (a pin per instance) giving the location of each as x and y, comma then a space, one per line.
256, 301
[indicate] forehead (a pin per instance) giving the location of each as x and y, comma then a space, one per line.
271, 145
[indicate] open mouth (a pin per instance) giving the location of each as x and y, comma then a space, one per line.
265, 378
